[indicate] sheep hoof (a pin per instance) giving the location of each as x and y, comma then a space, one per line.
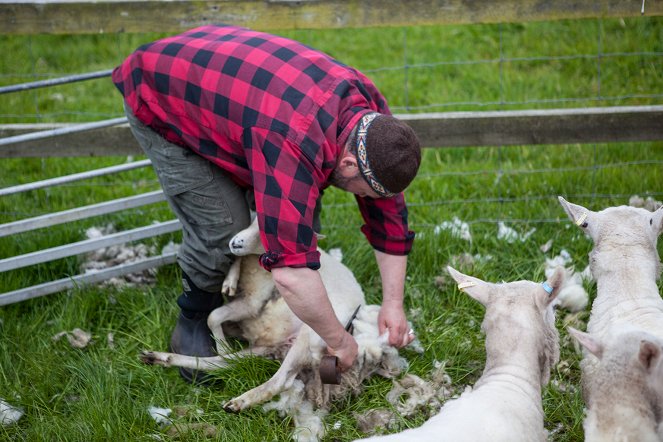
229, 289
154, 358
232, 407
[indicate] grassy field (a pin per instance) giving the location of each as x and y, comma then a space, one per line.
102, 392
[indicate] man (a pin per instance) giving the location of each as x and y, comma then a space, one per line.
222, 110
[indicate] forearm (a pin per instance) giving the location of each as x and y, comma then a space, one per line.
303, 291
392, 314
392, 273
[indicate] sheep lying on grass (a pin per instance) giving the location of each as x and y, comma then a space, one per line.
626, 400
262, 317
522, 344
625, 264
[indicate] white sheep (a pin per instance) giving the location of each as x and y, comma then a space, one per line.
625, 264
522, 344
265, 321
628, 377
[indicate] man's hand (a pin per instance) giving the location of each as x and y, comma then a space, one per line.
392, 318
346, 351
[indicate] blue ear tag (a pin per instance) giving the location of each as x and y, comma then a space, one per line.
547, 287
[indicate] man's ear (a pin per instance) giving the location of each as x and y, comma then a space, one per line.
348, 166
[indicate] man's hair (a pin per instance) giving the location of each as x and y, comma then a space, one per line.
393, 152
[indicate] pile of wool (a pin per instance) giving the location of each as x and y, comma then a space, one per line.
649, 203
117, 255
573, 296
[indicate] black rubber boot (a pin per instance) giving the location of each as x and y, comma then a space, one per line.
191, 335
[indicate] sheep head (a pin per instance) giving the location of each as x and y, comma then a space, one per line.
630, 360
622, 225
247, 241
518, 311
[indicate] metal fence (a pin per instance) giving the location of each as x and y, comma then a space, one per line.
619, 110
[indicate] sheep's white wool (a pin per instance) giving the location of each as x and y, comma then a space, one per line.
77, 338
573, 296
160, 415
458, 229
547, 246
309, 423
371, 420
650, 203
171, 247
116, 255
411, 393
336, 253
510, 235
560, 260
9, 414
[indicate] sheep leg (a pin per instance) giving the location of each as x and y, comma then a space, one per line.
234, 311
195, 363
229, 286
298, 357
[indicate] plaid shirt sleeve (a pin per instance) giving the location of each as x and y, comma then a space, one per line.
386, 225
286, 186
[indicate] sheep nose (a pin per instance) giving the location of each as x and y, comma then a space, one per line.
237, 244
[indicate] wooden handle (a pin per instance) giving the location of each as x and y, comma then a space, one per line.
329, 371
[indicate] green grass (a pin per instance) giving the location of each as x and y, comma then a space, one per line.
101, 393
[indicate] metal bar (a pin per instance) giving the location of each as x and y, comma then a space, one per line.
90, 278
54, 81
62, 131
52, 219
74, 177
16, 262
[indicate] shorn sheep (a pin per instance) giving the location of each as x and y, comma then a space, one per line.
260, 316
522, 344
628, 378
626, 313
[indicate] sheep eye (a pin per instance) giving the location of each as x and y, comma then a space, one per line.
651, 221
583, 225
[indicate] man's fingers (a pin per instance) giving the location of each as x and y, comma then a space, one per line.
395, 337
407, 338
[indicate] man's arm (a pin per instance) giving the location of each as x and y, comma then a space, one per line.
392, 316
303, 291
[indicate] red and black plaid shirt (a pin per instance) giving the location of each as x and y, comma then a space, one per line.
273, 113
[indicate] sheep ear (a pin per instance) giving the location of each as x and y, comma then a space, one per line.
476, 288
555, 282
657, 220
587, 341
649, 354
578, 214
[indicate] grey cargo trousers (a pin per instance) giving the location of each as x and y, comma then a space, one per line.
211, 207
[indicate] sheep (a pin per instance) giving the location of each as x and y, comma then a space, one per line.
522, 344
628, 376
625, 264
263, 319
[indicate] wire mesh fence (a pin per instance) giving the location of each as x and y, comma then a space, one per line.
542, 65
